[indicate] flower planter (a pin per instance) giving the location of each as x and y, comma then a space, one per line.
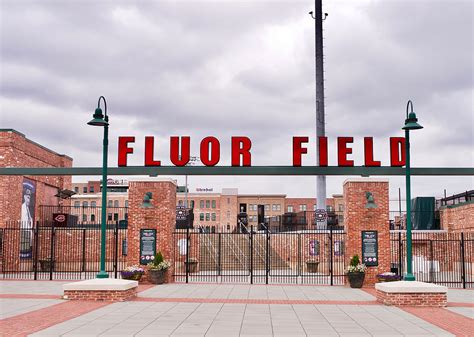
156, 276
47, 264
356, 280
126, 275
192, 265
312, 266
388, 279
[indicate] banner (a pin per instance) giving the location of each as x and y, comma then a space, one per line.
27, 218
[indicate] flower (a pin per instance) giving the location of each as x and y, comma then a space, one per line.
134, 269
159, 263
359, 268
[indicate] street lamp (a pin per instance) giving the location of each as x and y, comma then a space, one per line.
100, 120
410, 124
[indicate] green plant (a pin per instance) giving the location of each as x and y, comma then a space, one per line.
355, 260
159, 263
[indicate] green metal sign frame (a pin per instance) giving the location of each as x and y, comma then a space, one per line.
244, 171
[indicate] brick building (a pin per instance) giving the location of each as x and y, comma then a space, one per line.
18, 151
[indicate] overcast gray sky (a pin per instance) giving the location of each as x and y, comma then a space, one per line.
227, 68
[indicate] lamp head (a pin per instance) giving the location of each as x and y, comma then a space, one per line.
98, 118
370, 200
147, 200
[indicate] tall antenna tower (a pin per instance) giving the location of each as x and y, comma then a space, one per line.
320, 120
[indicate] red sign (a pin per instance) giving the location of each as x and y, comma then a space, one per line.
241, 156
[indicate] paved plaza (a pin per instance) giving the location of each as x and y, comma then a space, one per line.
35, 309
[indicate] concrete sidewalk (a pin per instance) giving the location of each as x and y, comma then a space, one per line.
34, 308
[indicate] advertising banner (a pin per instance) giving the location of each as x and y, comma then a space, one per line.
27, 218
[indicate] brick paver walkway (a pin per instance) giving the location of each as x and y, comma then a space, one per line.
225, 310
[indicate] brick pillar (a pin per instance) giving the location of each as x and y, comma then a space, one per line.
357, 218
161, 217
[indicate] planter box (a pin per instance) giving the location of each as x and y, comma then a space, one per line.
356, 280
131, 276
312, 267
156, 276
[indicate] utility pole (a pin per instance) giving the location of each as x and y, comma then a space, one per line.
320, 120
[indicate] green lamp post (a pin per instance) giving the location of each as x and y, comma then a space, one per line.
410, 124
100, 120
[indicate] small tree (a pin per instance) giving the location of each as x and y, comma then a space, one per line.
355, 260
158, 258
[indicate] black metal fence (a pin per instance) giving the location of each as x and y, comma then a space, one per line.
311, 257
47, 252
438, 257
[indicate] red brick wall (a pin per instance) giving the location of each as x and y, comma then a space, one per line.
458, 218
358, 219
18, 151
161, 217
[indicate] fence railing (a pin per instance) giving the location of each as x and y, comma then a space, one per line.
438, 257
47, 252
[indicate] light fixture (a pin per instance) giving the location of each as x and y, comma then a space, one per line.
370, 200
147, 200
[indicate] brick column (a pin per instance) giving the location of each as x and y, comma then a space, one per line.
161, 217
357, 218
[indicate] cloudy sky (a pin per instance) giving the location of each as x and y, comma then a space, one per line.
227, 68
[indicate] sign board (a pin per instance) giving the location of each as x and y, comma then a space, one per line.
60, 219
370, 255
313, 247
147, 245
184, 217
320, 215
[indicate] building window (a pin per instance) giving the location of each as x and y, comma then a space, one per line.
126, 203
180, 202
92, 217
192, 204
267, 207
116, 203
276, 207
290, 209
110, 203
341, 208
228, 200
329, 208
84, 217
208, 217
201, 216
115, 216
85, 204
208, 203
84, 189
76, 189
77, 204
315, 207
201, 204
109, 217
228, 215
228, 227
93, 204
126, 216
213, 216
302, 207
213, 204
91, 189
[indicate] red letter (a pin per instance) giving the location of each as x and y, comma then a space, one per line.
298, 150
244, 151
149, 144
397, 145
343, 151
369, 152
215, 151
177, 158
123, 149
323, 151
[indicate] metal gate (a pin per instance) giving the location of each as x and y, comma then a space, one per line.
260, 257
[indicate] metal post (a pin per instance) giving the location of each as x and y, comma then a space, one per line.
102, 273
186, 192
35, 261
51, 252
463, 262
251, 254
83, 250
219, 255
409, 275
187, 255
400, 207
320, 118
267, 256
400, 253
431, 261
116, 250
330, 256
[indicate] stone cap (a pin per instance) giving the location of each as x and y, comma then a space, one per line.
407, 287
365, 180
101, 284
